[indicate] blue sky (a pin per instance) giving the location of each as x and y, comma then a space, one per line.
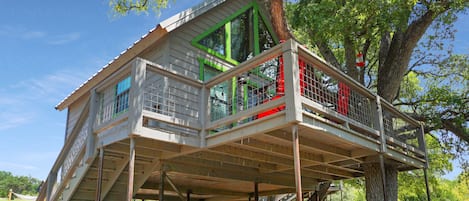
47, 49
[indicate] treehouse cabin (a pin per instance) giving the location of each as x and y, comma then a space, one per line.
209, 105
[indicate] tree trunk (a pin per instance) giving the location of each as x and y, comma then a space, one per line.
278, 19
374, 182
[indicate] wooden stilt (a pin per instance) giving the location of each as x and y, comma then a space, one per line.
296, 159
130, 186
161, 191
427, 187
188, 195
256, 191
383, 174
100, 174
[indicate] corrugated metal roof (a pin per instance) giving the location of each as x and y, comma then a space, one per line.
161, 29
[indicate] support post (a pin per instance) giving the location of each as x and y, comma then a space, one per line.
423, 147
296, 160
383, 174
100, 174
130, 185
188, 195
427, 187
161, 190
10, 194
256, 191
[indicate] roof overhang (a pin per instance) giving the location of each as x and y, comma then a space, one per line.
137, 48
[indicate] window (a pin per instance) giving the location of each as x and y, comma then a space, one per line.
242, 36
215, 41
239, 37
122, 95
219, 95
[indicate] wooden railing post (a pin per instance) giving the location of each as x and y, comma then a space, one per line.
90, 150
204, 115
292, 82
421, 140
379, 122
136, 95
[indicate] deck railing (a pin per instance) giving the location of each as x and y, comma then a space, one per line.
169, 104
257, 88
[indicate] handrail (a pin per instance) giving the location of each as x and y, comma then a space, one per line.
64, 151
246, 66
395, 111
333, 71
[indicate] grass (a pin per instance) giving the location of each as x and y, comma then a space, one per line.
16, 199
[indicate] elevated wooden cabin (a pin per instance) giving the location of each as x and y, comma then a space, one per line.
209, 105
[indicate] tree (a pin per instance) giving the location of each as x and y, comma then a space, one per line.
19, 184
395, 40
389, 35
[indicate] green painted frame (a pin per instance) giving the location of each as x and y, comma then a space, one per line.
226, 23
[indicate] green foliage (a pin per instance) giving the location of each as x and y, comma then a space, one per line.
412, 183
20, 184
122, 7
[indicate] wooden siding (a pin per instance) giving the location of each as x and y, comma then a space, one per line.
183, 57
158, 52
74, 112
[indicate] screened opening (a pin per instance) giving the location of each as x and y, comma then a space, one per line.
266, 41
219, 95
242, 37
215, 41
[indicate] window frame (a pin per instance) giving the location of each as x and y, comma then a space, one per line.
257, 17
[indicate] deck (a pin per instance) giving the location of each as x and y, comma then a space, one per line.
253, 129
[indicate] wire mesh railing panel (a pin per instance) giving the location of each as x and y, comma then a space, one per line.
247, 90
335, 95
400, 129
171, 98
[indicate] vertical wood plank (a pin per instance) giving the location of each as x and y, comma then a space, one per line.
100, 174
296, 160
292, 82
130, 186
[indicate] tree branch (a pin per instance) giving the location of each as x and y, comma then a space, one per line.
325, 51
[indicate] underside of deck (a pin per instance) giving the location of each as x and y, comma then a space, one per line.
232, 169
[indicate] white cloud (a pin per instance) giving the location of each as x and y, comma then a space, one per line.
23, 33
52, 86
64, 38
33, 35
25, 101
11, 119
